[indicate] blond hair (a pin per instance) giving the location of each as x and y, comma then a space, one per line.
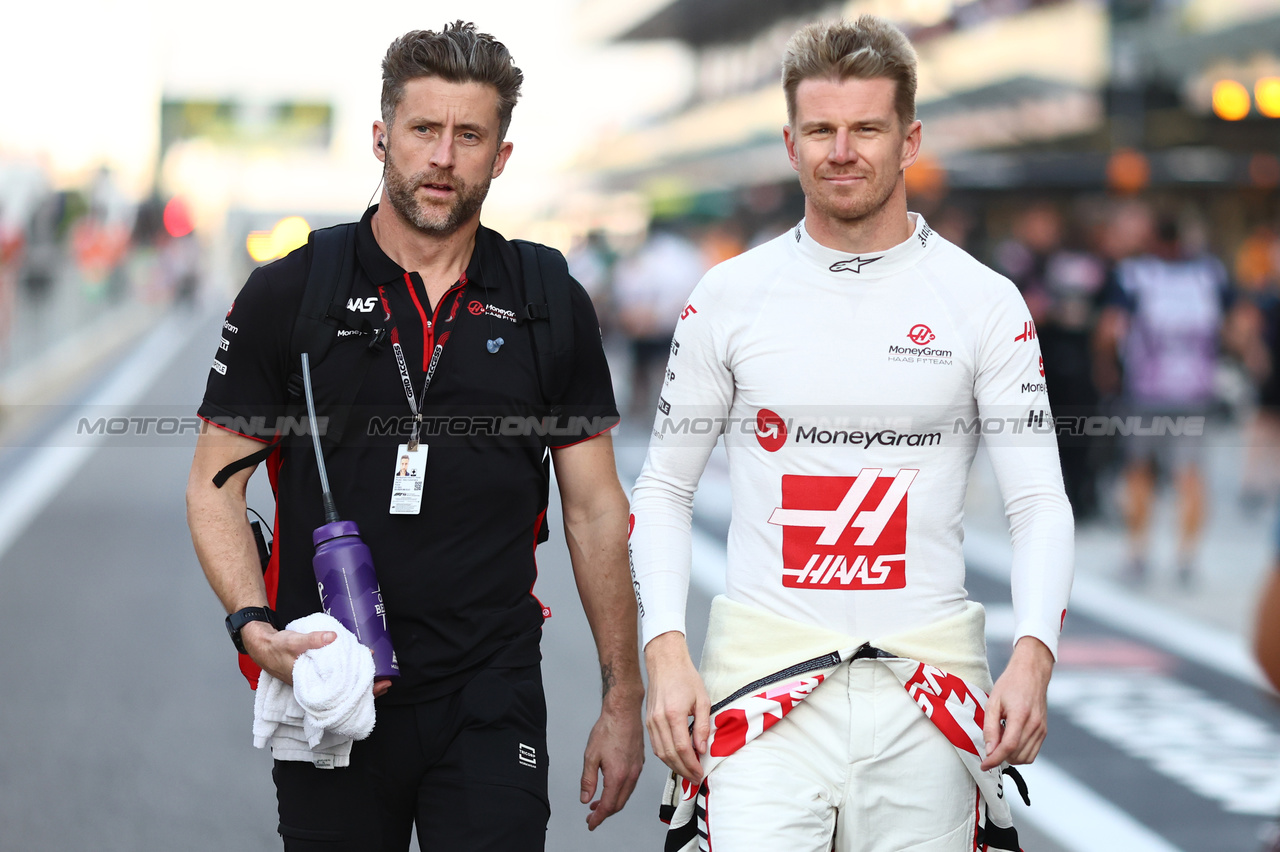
458, 54
865, 49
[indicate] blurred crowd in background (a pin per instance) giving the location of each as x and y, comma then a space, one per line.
1138, 311
68, 256
1117, 159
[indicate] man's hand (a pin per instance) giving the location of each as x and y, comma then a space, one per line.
615, 749
1017, 711
275, 651
676, 692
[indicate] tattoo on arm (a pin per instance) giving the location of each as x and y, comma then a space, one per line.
607, 678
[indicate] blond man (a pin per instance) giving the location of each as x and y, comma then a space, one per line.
849, 365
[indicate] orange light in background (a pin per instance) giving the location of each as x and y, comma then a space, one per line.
926, 178
1267, 94
288, 234
1128, 171
177, 218
1230, 100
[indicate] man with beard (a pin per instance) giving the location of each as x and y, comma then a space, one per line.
433, 334
852, 361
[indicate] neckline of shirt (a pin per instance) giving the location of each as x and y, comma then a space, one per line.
382, 270
845, 266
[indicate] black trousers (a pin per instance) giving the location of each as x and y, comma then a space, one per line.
469, 769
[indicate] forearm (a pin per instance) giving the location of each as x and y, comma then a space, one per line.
224, 543
597, 548
662, 541
1043, 537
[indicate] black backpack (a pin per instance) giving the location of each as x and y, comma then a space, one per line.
545, 297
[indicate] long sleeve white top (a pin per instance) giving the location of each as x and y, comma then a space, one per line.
852, 392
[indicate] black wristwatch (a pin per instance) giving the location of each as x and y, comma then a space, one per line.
238, 619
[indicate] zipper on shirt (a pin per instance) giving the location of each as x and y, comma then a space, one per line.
429, 325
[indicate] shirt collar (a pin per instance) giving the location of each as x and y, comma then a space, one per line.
381, 269
867, 265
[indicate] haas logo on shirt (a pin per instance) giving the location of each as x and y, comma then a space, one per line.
844, 532
920, 334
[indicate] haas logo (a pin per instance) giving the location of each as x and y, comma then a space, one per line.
475, 308
771, 430
688, 309
844, 532
364, 306
920, 334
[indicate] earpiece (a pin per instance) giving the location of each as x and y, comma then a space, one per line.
381, 144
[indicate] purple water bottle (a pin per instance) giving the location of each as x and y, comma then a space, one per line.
343, 566
349, 590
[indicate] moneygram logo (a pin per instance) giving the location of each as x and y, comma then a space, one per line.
771, 430
844, 532
920, 334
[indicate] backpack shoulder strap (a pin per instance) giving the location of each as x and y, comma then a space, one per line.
545, 277
330, 276
329, 280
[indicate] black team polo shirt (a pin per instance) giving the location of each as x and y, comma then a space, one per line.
457, 578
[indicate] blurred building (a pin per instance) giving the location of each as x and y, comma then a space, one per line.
1056, 98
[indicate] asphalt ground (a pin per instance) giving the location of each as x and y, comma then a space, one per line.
125, 722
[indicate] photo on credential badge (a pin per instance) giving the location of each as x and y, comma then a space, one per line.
406, 485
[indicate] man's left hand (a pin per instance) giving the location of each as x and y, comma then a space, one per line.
1017, 712
615, 750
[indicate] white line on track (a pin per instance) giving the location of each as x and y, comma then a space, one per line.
1119, 608
1078, 818
44, 472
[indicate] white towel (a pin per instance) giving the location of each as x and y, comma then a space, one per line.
329, 705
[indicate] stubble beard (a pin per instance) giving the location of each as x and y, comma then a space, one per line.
434, 219
865, 205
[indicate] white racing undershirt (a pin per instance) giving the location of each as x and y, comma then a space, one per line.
851, 392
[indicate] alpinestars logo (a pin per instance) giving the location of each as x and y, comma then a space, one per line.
920, 334
771, 430
853, 264
844, 532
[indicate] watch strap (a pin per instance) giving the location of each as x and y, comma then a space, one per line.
238, 619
